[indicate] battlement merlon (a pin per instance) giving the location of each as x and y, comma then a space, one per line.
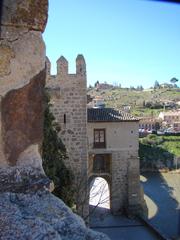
62, 66
80, 65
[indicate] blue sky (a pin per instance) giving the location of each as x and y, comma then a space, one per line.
127, 42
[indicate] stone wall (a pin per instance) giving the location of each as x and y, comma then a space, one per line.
124, 177
119, 135
27, 208
68, 97
126, 182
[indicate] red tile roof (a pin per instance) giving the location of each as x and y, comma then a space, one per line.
109, 115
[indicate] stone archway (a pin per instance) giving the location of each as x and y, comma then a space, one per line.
99, 194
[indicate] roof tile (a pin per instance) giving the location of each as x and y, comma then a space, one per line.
109, 115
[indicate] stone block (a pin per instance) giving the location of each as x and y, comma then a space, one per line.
6, 54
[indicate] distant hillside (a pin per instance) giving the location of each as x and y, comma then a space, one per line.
148, 102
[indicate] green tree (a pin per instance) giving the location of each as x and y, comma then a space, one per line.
139, 88
132, 88
156, 85
174, 81
53, 155
96, 84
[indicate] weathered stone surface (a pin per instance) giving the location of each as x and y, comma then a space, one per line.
3, 161
22, 179
29, 59
40, 215
22, 117
6, 54
31, 14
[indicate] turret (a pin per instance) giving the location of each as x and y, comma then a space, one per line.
80, 65
62, 66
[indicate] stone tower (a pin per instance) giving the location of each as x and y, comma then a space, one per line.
68, 96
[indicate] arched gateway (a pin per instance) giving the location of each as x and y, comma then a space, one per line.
100, 142
99, 193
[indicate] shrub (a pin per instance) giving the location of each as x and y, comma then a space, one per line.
152, 139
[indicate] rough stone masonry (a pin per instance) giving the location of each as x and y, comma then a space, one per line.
27, 209
68, 105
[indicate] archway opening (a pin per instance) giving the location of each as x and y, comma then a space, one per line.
99, 196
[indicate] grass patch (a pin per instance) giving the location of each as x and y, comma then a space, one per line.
153, 149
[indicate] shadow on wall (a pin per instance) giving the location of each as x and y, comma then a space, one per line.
162, 205
1, 4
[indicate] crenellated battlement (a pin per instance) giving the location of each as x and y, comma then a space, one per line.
63, 79
63, 66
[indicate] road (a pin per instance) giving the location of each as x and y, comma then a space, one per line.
116, 227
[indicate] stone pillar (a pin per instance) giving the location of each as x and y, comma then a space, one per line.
22, 80
119, 182
136, 203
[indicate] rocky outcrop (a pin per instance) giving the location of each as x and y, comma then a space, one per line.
40, 215
30, 14
27, 208
22, 79
29, 211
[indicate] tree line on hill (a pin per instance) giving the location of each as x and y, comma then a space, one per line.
173, 84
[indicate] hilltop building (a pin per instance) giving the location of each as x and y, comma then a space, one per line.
103, 86
166, 85
149, 123
96, 102
126, 108
170, 117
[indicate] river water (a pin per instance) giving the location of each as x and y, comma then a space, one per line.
162, 195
